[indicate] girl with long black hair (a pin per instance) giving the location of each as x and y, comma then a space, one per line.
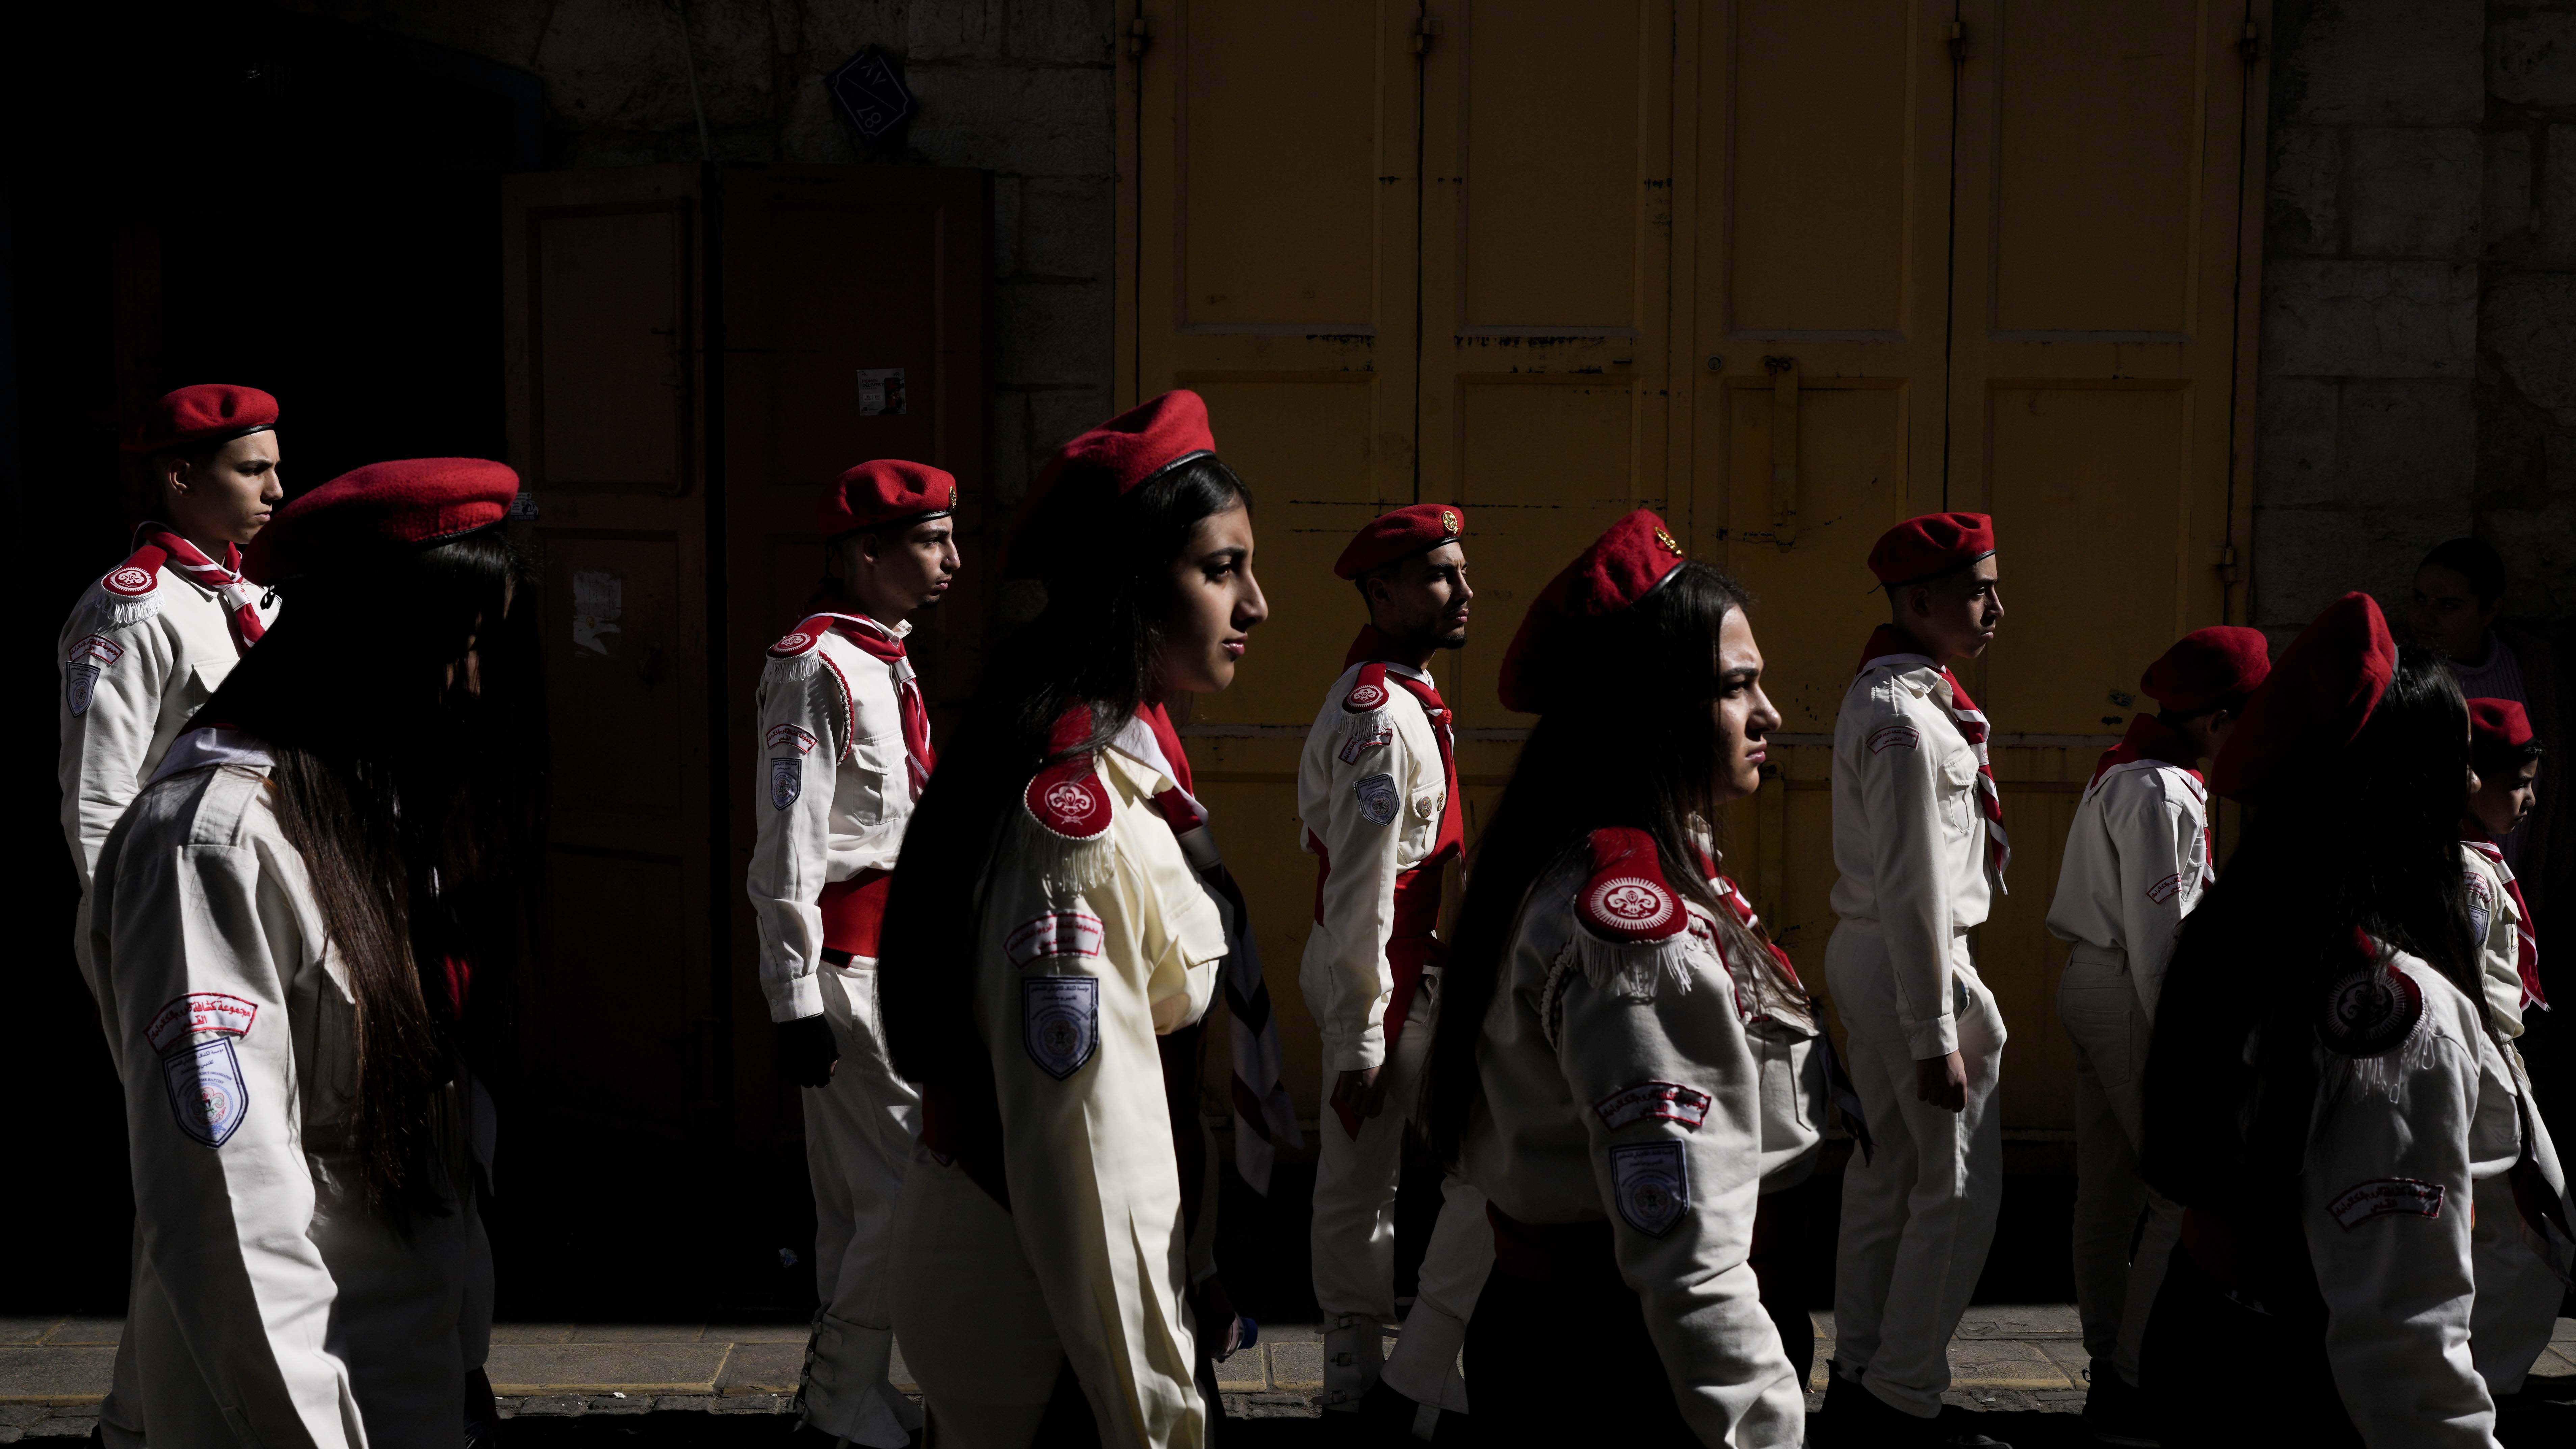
300, 931
2325, 1087
1611, 1016
1049, 942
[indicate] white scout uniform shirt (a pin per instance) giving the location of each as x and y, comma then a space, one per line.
274, 1306
1624, 1079
141, 651
2137, 860
1910, 840
1098, 937
1371, 789
837, 793
2400, 1139
2496, 922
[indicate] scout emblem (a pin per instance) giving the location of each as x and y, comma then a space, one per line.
1377, 795
194, 1035
1652, 1185
786, 782
1060, 1022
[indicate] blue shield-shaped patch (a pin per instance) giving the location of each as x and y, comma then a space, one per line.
80, 679
206, 1093
1377, 798
786, 782
1060, 1023
1652, 1183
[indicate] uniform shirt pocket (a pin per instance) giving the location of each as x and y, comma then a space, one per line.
198, 680
1422, 821
868, 777
1958, 792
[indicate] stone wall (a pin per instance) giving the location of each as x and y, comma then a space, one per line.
1020, 88
2418, 332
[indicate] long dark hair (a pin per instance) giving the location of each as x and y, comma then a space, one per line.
1109, 588
2369, 840
413, 803
1663, 654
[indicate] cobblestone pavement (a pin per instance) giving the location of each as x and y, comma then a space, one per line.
721, 1385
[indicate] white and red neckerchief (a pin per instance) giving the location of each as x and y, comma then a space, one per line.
1888, 649
223, 580
2526, 954
886, 646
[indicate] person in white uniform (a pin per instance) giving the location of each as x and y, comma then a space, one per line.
302, 931
1047, 933
2137, 858
2325, 1091
845, 751
1377, 793
2522, 1267
151, 640
1605, 1058
1919, 851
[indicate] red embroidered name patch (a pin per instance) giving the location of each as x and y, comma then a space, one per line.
98, 647
1653, 1102
1055, 933
1894, 737
1360, 744
199, 1011
783, 735
2381, 1196
2165, 890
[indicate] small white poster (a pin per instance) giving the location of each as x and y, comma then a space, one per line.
880, 391
598, 599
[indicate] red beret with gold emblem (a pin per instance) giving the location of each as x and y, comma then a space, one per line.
1100, 466
1934, 544
886, 490
364, 514
2315, 701
1391, 537
2500, 722
1622, 566
2207, 668
209, 412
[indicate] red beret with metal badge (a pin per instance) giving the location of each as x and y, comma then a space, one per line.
2500, 722
883, 491
1102, 465
2208, 667
1392, 537
2314, 702
1929, 546
1622, 566
358, 517
209, 412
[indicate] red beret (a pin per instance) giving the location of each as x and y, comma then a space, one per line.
2313, 703
1102, 465
2500, 722
210, 412
358, 516
2208, 667
1935, 543
884, 491
1621, 567
1400, 535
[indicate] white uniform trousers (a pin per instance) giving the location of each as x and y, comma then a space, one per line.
976, 1332
1920, 1214
120, 1414
2518, 1295
2115, 1286
1353, 1238
859, 1133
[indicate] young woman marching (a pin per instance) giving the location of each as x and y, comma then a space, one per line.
299, 932
1047, 925
2325, 1089
1610, 1014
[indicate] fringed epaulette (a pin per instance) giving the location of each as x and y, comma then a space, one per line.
131, 592
799, 653
1069, 803
1631, 929
2373, 1017
1368, 693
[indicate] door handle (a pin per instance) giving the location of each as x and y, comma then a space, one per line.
1784, 449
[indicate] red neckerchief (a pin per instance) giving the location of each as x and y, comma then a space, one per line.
872, 639
1373, 645
2526, 954
2150, 738
1887, 645
223, 580
1180, 807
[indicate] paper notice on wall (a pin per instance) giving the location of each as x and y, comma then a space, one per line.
598, 599
880, 391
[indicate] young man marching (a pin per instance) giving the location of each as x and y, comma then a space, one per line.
1377, 789
1920, 850
2137, 859
846, 751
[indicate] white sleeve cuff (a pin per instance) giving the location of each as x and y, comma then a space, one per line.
1935, 1038
796, 998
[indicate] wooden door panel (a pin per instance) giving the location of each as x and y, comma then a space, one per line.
858, 287
615, 625
609, 323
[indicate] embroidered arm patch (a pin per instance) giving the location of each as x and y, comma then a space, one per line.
1060, 1022
786, 781
1653, 1102
1899, 736
1364, 740
782, 736
2166, 889
1054, 933
1651, 1181
2381, 1196
1378, 798
199, 1070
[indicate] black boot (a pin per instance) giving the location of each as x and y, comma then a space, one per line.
2114, 1411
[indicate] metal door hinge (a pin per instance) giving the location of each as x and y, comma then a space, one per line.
1139, 36
1423, 30
1958, 42
2250, 45
2222, 557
